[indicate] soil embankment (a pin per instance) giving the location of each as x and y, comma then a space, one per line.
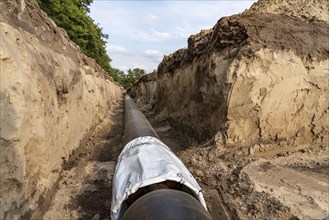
255, 183
253, 92
246, 77
85, 191
237, 183
52, 98
245, 107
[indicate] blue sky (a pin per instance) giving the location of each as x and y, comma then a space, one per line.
141, 32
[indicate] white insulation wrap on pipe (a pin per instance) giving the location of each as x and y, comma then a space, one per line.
145, 161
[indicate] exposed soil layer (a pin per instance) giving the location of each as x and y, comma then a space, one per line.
253, 90
250, 33
232, 78
52, 96
257, 183
85, 190
304, 9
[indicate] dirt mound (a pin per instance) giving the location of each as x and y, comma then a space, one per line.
52, 96
304, 9
249, 32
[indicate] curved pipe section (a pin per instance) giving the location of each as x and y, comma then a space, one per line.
164, 204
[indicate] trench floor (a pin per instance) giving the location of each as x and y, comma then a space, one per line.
85, 188
236, 182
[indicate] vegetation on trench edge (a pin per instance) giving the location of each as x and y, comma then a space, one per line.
73, 16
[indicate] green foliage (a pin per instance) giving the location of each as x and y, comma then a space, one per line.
72, 15
126, 80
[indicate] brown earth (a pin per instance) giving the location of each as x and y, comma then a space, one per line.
244, 34
304, 9
245, 107
258, 183
253, 92
239, 65
52, 97
85, 188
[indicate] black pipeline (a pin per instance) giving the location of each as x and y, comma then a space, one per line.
171, 196
136, 125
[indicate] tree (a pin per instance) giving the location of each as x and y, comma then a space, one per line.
126, 80
72, 15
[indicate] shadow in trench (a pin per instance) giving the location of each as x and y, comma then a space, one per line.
95, 195
94, 199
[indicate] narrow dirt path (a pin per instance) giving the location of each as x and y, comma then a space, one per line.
85, 190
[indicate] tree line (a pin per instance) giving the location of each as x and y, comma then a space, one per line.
73, 16
126, 80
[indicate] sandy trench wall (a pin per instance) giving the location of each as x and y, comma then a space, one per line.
277, 97
252, 78
190, 96
271, 96
51, 97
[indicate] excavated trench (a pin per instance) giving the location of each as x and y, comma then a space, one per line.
229, 177
85, 189
262, 180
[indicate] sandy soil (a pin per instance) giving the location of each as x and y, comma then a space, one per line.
85, 190
258, 183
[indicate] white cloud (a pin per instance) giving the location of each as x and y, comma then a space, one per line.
139, 65
161, 35
116, 49
149, 19
154, 54
184, 32
131, 61
139, 30
154, 35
